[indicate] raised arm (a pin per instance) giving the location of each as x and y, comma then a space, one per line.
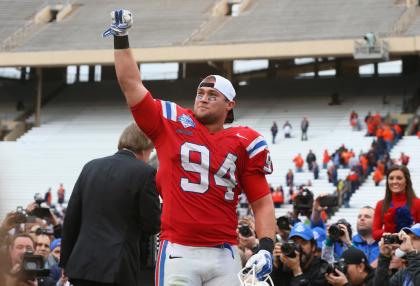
128, 73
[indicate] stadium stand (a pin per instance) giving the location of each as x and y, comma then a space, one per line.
271, 20
159, 27
16, 14
369, 194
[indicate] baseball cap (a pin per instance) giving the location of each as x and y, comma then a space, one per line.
319, 235
354, 255
225, 87
301, 230
415, 229
55, 243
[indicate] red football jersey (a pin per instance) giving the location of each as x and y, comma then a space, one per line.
201, 173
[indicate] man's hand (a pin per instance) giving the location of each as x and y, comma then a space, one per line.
386, 249
263, 261
122, 20
292, 262
277, 254
336, 279
345, 237
406, 245
9, 221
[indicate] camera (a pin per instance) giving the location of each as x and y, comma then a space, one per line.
304, 201
33, 266
45, 231
328, 201
40, 212
335, 232
328, 268
284, 222
392, 239
245, 230
21, 216
288, 248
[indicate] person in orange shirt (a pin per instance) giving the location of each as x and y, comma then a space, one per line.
398, 131
364, 162
326, 158
277, 198
298, 160
377, 176
388, 136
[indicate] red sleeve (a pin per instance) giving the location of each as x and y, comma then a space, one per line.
147, 114
416, 216
377, 226
255, 186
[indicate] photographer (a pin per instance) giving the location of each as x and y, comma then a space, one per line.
406, 244
19, 245
247, 241
338, 240
294, 261
355, 270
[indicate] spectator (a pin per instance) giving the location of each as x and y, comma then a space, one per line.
114, 202
378, 176
359, 272
325, 159
289, 178
274, 129
305, 267
315, 169
61, 194
354, 117
304, 128
337, 242
19, 244
247, 241
298, 160
320, 236
277, 198
310, 158
363, 239
404, 159
400, 207
42, 243
287, 129
410, 248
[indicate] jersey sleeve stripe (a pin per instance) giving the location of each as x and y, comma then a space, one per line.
169, 110
256, 146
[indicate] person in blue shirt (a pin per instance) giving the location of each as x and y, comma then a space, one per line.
362, 240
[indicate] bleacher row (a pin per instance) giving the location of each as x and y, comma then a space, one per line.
169, 23
85, 121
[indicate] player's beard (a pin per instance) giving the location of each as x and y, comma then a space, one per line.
206, 119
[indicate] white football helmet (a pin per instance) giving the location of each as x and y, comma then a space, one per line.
247, 277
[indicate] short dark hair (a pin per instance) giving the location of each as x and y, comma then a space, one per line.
24, 235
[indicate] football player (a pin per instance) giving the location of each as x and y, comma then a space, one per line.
203, 167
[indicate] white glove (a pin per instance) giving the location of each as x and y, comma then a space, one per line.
263, 261
122, 20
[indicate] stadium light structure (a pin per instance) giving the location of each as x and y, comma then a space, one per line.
371, 47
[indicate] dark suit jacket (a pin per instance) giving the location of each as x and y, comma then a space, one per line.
114, 201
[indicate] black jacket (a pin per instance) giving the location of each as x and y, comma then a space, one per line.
383, 278
311, 276
113, 203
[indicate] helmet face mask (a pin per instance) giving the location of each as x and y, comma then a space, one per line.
248, 277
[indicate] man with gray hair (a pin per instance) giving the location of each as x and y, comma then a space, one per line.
114, 203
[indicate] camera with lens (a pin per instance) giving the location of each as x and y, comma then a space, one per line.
328, 268
392, 239
284, 222
335, 232
304, 201
33, 266
39, 211
328, 201
288, 248
45, 231
20, 216
245, 230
